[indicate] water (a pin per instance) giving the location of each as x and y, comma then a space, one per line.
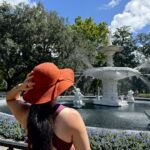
5, 109
84, 58
131, 117
146, 64
146, 82
79, 56
80, 78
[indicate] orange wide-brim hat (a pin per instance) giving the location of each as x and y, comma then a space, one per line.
50, 82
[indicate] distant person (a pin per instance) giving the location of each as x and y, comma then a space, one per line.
49, 125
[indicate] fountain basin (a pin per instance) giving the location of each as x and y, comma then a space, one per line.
114, 73
129, 117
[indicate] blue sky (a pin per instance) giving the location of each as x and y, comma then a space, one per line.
116, 13
86, 8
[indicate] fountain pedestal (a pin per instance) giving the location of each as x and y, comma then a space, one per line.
110, 94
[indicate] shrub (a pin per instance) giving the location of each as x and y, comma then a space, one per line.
146, 95
11, 130
103, 141
120, 141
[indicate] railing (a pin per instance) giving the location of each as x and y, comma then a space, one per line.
2, 95
13, 144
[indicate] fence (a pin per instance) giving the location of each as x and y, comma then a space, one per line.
13, 144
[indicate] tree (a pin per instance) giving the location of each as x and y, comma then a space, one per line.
30, 35
125, 58
90, 30
143, 40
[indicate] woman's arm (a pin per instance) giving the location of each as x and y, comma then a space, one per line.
19, 108
80, 136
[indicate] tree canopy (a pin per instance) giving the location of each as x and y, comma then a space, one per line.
90, 30
31, 35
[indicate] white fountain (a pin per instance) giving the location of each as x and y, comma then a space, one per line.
110, 76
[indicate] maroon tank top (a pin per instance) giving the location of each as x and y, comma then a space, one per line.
58, 143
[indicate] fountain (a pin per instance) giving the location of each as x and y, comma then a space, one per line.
110, 76
77, 100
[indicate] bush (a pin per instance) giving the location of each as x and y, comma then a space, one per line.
120, 141
104, 141
12, 130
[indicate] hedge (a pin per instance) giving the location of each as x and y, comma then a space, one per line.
103, 141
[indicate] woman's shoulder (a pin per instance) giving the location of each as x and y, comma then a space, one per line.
70, 117
70, 112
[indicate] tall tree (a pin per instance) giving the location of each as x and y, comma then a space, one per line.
126, 57
143, 40
90, 30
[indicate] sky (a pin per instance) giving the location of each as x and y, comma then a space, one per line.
116, 13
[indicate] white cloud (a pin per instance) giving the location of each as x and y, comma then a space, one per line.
136, 15
111, 4
16, 2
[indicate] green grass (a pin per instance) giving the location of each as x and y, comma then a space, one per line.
145, 95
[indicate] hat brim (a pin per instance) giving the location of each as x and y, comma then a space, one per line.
40, 96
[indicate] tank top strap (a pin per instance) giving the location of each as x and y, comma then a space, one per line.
56, 110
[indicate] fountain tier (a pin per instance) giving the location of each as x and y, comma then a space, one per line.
109, 51
111, 73
109, 77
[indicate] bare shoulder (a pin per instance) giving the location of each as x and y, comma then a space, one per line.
71, 118
70, 113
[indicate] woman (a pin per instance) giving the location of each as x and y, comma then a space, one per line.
49, 126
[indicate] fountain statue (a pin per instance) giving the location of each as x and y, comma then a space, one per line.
77, 101
130, 97
110, 76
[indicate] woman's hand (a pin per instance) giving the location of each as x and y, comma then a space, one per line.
27, 85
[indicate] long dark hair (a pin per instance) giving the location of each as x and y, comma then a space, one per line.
40, 127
